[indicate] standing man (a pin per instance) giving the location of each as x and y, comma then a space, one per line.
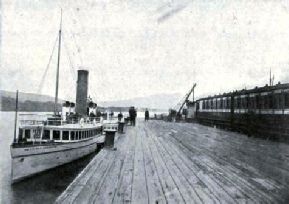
132, 115
147, 115
119, 116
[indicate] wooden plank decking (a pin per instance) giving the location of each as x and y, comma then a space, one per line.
159, 162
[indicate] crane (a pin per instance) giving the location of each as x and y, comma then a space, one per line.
181, 104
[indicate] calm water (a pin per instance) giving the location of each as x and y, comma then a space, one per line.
43, 188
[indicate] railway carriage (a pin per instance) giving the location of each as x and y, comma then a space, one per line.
261, 111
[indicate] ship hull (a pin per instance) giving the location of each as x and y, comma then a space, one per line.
28, 161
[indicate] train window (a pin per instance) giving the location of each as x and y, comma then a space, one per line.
56, 135
270, 101
228, 103
242, 105
277, 101
264, 101
65, 135
238, 103
286, 100
257, 101
46, 135
251, 102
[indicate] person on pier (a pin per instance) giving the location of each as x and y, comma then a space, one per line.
119, 116
147, 115
132, 114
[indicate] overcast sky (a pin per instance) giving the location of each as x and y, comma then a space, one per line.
139, 48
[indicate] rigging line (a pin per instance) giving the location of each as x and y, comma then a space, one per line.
72, 69
47, 67
93, 92
78, 49
76, 45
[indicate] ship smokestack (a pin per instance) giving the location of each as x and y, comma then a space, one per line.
81, 92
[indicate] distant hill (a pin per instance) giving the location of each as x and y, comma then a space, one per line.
29, 96
160, 102
27, 102
35, 102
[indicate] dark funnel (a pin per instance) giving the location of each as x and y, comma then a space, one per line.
81, 92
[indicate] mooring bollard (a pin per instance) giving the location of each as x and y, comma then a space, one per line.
120, 127
109, 138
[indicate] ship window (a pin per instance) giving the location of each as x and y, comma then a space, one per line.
56, 135
65, 135
20, 134
27, 134
72, 135
46, 135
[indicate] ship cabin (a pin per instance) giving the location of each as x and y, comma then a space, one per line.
35, 132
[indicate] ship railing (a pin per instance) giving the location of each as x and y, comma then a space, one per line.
32, 122
60, 121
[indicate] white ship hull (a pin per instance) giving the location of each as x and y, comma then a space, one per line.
30, 160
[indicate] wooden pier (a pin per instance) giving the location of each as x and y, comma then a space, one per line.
160, 162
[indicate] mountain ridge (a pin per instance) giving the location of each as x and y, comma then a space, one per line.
162, 101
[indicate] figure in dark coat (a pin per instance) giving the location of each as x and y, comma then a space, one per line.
147, 115
119, 116
132, 115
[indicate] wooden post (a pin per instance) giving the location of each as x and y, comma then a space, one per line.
16, 111
120, 127
109, 138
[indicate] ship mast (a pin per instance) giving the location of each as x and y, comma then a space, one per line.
57, 72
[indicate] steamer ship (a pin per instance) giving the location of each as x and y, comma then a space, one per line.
45, 144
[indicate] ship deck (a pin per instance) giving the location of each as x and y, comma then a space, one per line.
159, 162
